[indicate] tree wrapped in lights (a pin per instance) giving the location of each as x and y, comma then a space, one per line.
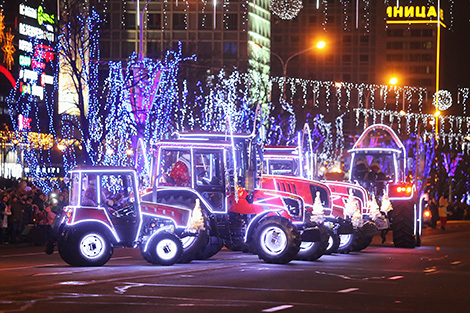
79, 56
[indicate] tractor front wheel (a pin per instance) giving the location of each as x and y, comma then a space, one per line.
276, 240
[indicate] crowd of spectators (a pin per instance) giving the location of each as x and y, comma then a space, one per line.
26, 211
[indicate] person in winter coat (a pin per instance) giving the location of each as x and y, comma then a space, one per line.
443, 204
4, 213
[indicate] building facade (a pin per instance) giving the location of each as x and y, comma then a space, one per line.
367, 42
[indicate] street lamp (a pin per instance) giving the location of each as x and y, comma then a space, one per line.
320, 45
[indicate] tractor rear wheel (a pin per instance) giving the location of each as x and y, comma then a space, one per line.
403, 224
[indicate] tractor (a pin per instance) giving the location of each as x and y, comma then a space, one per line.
221, 176
379, 164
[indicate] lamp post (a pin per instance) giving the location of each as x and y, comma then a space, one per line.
319, 45
140, 18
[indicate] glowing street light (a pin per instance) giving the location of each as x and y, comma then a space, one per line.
436, 115
393, 81
321, 44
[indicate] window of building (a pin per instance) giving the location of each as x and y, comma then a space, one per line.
179, 21
416, 33
153, 49
395, 32
347, 39
129, 21
364, 39
231, 22
154, 21
347, 58
428, 33
230, 50
330, 58
346, 77
364, 58
312, 19
204, 21
127, 48
105, 20
394, 57
364, 78
395, 45
105, 49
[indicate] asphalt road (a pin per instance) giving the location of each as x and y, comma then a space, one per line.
432, 278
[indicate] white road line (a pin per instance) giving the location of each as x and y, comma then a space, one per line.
23, 254
26, 267
348, 290
53, 273
278, 308
121, 258
456, 262
395, 277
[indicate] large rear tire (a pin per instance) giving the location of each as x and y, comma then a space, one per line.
276, 240
85, 247
403, 224
333, 243
214, 245
311, 251
346, 242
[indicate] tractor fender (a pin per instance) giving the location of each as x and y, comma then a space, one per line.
258, 218
70, 229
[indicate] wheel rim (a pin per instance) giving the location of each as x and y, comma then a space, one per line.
92, 246
305, 245
273, 240
187, 241
345, 240
167, 249
330, 243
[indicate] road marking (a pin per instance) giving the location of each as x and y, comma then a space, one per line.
430, 270
53, 273
278, 308
456, 262
23, 254
26, 267
395, 277
121, 258
348, 290
74, 283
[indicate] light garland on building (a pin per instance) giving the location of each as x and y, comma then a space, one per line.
286, 9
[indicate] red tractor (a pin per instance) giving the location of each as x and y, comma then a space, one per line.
379, 164
218, 171
349, 232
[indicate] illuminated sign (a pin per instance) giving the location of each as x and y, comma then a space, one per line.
414, 14
24, 122
36, 39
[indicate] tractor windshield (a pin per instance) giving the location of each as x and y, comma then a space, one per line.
368, 167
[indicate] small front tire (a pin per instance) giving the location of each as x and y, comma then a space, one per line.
276, 240
163, 249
